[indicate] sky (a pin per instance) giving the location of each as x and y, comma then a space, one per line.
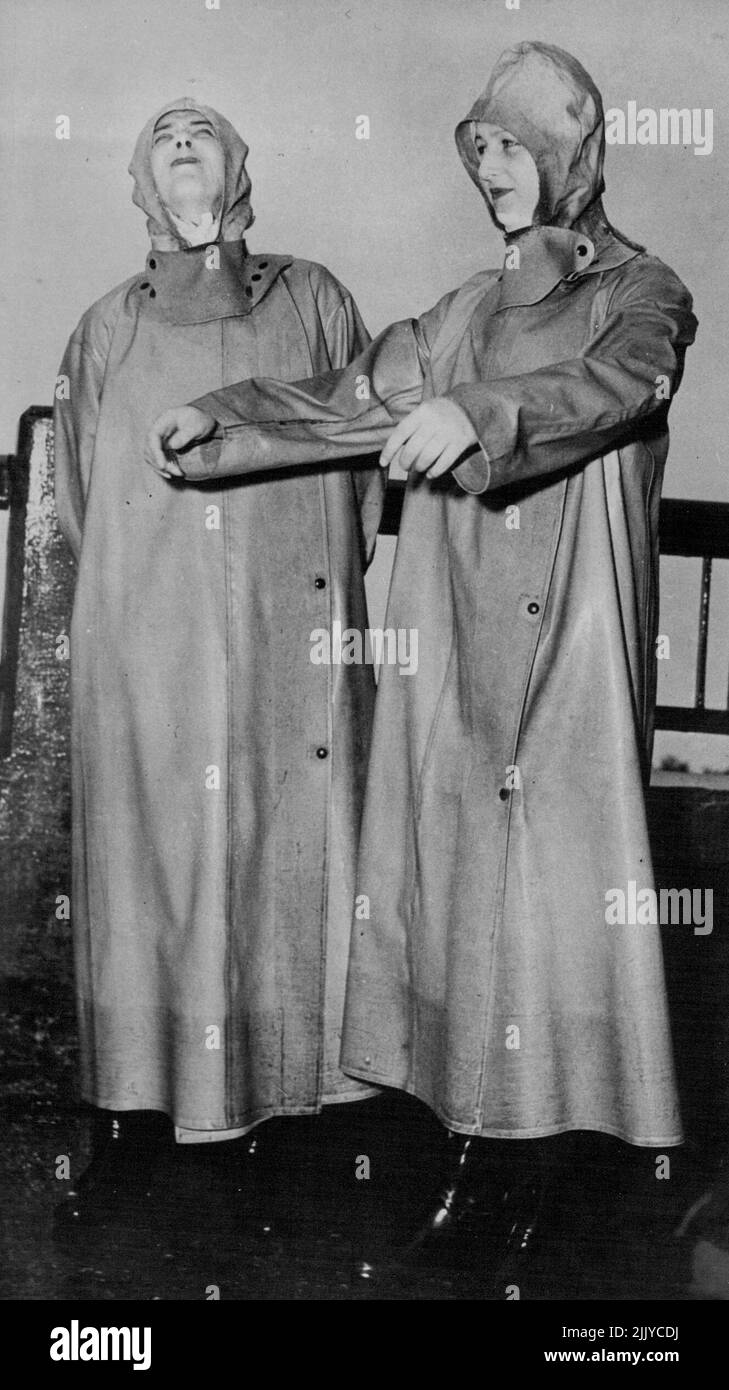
394, 216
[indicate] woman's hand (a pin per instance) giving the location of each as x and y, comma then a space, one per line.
176, 429
431, 439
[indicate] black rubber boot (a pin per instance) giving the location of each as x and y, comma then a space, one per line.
456, 1219
538, 1174
462, 1193
117, 1185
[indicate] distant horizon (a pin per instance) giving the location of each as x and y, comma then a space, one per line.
670, 762
717, 780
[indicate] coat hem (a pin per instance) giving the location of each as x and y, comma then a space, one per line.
241, 1126
537, 1132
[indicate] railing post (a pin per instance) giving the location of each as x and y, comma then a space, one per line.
700, 690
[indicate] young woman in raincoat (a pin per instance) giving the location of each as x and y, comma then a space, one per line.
505, 796
217, 773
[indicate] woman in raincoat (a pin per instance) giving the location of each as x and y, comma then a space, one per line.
505, 800
217, 773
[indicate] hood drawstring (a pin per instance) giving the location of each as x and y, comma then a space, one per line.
200, 233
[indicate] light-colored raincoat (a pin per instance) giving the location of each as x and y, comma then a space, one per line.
505, 797
217, 772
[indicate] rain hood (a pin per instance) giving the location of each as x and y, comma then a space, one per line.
544, 97
236, 213
178, 286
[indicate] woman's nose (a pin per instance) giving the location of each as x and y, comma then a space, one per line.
488, 164
183, 140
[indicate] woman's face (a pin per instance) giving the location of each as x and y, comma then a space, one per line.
188, 163
508, 175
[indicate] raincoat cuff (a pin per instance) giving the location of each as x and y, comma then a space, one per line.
203, 460
474, 474
482, 469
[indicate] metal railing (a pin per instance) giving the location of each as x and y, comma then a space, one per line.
698, 529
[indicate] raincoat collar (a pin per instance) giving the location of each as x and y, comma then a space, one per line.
206, 282
537, 259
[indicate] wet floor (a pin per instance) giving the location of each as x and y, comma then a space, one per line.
298, 1221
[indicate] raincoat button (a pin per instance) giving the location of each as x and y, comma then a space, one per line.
255, 277
153, 294
249, 291
368, 1061
320, 582
144, 285
532, 608
504, 793
152, 265
263, 264
322, 752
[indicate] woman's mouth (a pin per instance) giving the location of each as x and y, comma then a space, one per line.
496, 193
185, 159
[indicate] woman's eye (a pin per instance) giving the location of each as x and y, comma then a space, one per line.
510, 144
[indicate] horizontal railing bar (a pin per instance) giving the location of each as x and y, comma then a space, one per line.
694, 528
686, 528
692, 721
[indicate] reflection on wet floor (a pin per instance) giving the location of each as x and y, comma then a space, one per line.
297, 1222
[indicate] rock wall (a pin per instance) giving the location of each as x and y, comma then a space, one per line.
34, 716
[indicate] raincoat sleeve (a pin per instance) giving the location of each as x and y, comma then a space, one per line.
266, 424
346, 337
563, 415
75, 417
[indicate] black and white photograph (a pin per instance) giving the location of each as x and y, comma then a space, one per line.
364, 697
